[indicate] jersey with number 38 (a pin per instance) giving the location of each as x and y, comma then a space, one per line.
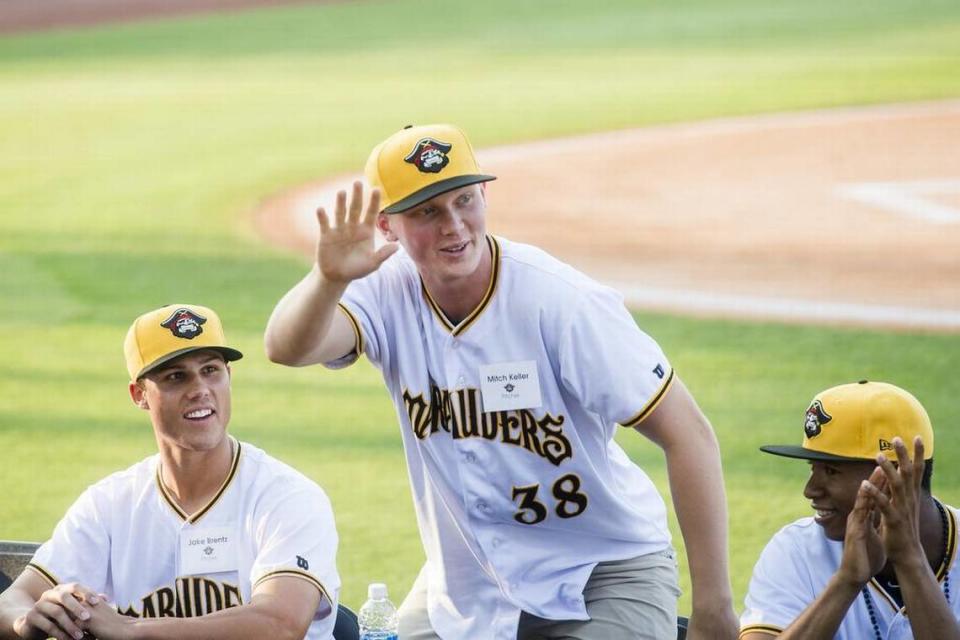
516, 505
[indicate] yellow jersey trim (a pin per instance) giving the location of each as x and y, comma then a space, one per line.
883, 594
293, 573
760, 628
192, 519
951, 546
358, 343
651, 405
456, 330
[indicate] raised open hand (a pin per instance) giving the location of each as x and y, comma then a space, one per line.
346, 249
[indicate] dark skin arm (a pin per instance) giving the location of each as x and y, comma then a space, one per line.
884, 526
863, 557
928, 610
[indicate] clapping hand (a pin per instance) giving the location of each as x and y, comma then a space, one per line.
864, 554
896, 495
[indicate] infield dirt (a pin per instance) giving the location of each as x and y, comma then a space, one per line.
846, 216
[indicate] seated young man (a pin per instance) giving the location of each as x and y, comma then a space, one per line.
209, 538
877, 558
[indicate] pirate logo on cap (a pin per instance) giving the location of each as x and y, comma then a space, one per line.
429, 155
184, 323
816, 417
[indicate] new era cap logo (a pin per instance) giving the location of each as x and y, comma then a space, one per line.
184, 323
815, 419
885, 445
429, 155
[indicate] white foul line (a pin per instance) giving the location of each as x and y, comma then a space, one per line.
789, 309
908, 198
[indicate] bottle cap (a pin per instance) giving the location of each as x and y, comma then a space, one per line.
377, 591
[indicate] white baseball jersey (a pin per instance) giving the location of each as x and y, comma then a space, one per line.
796, 566
508, 421
126, 537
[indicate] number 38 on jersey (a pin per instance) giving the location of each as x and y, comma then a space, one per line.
569, 501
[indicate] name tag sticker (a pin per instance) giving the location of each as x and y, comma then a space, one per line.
510, 385
209, 550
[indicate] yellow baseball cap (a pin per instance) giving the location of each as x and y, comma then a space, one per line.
418, 163
855, 422
163, 334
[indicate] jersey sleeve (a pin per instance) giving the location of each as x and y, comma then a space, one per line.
615, 369
79, 550
361, 304
358, 341
780, 587
297, 537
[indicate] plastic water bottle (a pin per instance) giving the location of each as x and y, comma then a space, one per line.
378, 617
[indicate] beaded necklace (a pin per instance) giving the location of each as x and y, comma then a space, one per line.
946, 576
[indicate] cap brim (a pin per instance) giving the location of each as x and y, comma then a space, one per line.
228, 354
793, 451
435, 189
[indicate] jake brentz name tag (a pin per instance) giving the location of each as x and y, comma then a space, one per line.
209, 550
510, 385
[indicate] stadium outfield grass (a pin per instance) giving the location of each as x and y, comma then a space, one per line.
131, 156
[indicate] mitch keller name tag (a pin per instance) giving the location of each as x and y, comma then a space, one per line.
510, 385
210, 550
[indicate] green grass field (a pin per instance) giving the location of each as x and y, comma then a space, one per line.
131, 157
